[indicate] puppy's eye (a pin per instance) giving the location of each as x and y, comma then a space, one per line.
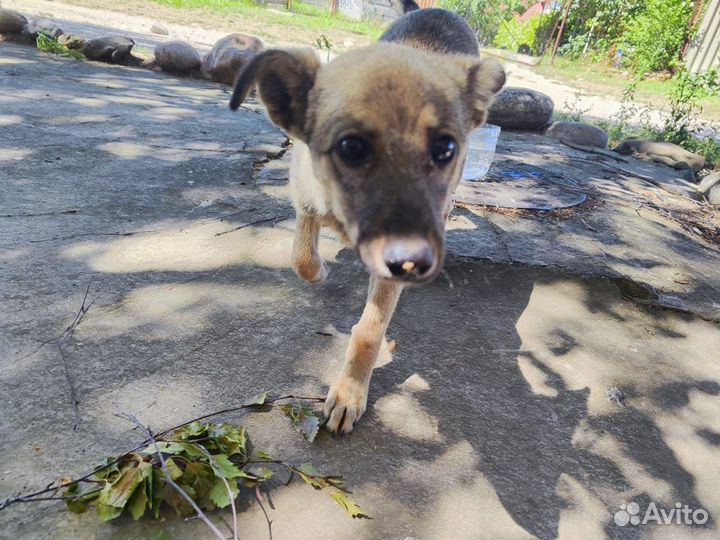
443, 150
353, 150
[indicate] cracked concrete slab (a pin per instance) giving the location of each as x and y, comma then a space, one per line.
490, 419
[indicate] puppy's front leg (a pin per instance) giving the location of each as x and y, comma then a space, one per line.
347, 398
306, 260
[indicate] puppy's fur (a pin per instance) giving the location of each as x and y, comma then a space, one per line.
421, 86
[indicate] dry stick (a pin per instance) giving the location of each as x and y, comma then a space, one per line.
58, 340
250, 224
169, 479
598, 151
149, 231
267, 518
52, 488
211, 460
269, 401
39, 214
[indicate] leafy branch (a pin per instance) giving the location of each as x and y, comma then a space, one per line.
193, 468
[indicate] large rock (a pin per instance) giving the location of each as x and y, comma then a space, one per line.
112, 49
228, 55
662, 152
11, 22
578, 133
42, 25
521, 109
177, 57
710, 188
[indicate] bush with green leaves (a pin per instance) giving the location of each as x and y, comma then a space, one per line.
486, 16
530, 36
594, 26
655, 35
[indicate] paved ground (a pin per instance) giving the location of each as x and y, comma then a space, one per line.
489, 420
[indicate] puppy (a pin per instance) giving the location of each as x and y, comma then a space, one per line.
380, 140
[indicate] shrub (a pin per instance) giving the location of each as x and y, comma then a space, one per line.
485, 16
655, 35
530, 36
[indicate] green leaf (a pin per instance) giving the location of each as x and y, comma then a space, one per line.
164, 447
176, 501
138, 503
259, 455
202, 487
83, 494
304, 419
108, 470
174, 471
228, 439
258, 399
219, 492
311, 476
350, 506
154, 489
262, 473
118, 493
225, 468
106, 512
192, 450
191, 431
195, 470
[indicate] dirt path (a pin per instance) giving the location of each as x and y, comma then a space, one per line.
201, 27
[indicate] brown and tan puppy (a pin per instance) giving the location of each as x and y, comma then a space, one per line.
380, 138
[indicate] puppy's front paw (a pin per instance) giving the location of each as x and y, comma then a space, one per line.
311, 270
345, 404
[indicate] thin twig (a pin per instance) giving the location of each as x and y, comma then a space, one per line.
269, 401
251, 223
211, 460
267, 518
168, 478
39, 214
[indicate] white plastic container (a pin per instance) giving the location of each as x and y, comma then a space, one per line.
481, 152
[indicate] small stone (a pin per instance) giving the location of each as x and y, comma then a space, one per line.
177, 57
158, 28
710, 188
34, 27
521, 109
112, 49
228, 55
72, 41
662, 152
11, 22
578, 133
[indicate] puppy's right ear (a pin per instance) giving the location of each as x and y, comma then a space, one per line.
284, 79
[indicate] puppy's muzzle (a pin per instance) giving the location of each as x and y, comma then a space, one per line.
405, 258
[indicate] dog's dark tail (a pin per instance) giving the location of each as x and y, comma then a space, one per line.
409, 5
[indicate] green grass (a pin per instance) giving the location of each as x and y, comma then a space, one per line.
304, 15
50, 45
602, 79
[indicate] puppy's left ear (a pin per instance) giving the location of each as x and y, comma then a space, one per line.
485, 78
284, 79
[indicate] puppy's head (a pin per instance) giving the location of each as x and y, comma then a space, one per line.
387, 128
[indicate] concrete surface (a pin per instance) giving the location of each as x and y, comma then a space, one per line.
489, 420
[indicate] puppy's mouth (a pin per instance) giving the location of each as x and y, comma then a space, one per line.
411, 259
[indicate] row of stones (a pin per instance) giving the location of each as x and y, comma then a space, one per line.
221, 64
524, 109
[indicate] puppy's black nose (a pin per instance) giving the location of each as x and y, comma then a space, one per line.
408, 259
